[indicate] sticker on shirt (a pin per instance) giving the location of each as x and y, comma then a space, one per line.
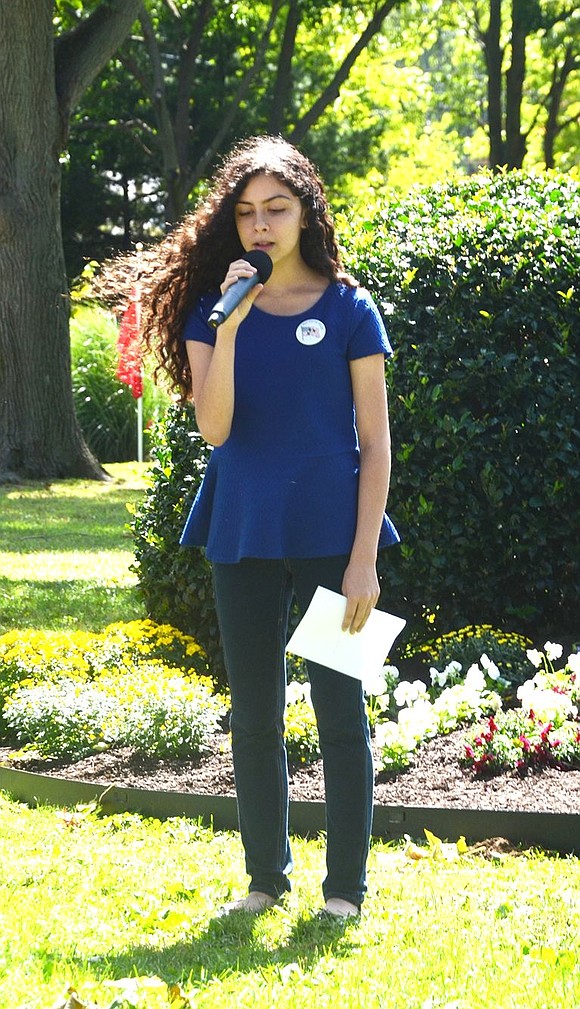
310, 332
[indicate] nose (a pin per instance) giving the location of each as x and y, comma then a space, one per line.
260, 223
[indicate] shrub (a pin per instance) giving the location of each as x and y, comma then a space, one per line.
105, 407
479, 283
176, 582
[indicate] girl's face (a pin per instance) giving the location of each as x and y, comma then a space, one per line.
270, 217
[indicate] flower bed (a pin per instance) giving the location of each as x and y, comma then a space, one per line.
148, 688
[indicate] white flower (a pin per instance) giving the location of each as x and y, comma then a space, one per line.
535, 657
552, 650
490, 667
382, 702
573, 663
438, 679
296, 692
408, 693
453, 667
547, 705
391, 673
475, 679
418, 721
386, 733
375, 683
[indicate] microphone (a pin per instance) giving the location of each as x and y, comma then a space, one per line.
237, 292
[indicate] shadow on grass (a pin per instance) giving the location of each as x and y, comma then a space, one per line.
65, 605
234, 944
38, 520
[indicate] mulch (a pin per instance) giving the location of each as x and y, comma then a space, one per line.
436, 779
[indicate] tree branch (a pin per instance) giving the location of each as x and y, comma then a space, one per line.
82, 53
332, 91
241, 93
185, 81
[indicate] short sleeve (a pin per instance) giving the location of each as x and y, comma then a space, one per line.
196, 325
368, 334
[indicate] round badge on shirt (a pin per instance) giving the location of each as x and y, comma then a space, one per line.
310, 331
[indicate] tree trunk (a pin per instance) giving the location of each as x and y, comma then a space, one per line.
559, 78
493, 54
283, 85
515, 141
39, 434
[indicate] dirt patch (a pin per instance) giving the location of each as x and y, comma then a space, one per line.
435, 780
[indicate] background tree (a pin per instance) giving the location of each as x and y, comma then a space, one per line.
192, 79
42, 76
505, 33
374, 108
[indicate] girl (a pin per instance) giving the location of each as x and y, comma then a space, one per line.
290, 390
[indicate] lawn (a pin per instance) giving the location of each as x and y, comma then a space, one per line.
122, 909
65, 552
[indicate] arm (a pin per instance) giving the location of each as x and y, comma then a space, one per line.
360, 584
212, 368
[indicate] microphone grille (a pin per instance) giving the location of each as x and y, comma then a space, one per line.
262, 262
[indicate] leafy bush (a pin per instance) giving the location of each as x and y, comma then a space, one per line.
105, 407
176, 582
479, 283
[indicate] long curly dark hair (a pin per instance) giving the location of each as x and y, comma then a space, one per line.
194, 258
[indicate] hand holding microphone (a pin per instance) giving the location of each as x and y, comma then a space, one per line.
235, 294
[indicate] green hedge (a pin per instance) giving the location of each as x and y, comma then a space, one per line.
478, 281
175, 581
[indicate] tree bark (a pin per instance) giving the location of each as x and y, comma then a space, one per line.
515, 141
39, 433
493, 55
283, 85
559, 78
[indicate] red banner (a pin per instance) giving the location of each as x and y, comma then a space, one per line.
129, 368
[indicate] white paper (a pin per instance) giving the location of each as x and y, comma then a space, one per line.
320, 638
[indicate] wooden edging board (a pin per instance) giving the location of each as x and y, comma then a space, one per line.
554, 831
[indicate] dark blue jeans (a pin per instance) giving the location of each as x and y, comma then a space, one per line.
253, 603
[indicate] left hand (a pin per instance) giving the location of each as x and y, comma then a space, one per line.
360, 585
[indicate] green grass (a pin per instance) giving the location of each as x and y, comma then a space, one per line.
97, 903
123, 908
65, 552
